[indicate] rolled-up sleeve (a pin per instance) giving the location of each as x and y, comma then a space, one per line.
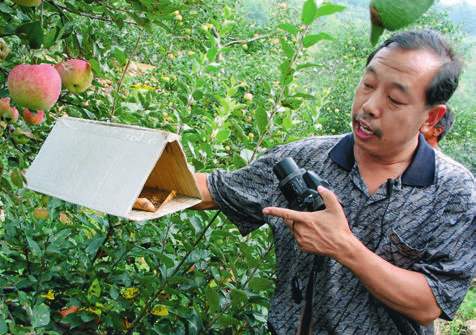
242, 194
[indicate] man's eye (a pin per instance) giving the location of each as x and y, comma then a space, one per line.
368, 85
395, 101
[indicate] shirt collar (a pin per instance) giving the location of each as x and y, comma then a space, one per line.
421, 171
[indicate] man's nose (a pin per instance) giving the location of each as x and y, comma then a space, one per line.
372, 107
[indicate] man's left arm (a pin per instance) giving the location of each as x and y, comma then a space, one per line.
405, 291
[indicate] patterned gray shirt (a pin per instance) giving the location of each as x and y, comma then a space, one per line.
424, 222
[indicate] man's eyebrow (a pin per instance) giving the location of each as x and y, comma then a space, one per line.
398, 85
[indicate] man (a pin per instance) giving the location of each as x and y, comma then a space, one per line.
435, 134
394, 246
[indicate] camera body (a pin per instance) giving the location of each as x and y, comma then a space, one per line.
299, 186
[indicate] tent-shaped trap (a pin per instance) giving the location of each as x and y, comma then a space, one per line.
106, 167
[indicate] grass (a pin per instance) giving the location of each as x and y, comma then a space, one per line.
465, 313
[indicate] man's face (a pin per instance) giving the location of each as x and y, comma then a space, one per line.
390, 104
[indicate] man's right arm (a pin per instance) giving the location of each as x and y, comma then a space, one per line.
207, 202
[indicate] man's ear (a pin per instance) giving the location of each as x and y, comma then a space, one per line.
438, 130
435, 113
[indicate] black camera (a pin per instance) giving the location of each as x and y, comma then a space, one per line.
299, 186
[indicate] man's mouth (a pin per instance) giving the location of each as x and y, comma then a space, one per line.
367, 130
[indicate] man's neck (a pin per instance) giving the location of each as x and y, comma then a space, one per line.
377, 169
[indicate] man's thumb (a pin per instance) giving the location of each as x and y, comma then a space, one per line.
330, 199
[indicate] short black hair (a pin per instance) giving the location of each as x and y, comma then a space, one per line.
446, 121
446, 80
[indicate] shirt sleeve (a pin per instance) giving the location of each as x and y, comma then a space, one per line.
242, 194
449, 267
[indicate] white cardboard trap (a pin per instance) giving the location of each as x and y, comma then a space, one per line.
105, 166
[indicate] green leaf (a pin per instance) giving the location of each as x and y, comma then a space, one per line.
246, 154
310, 40
287, 73
211, 54
226, 12
94, 244
223, 135
17, 177
287, 123
329, 9
212, 68
197, 94
213, 298
306, 65
94, 290
238, 297
239, 161
238, 131
291, 103
97, 69
261, 119
260, 284
227, 320
309, 12
289, 28
120, 56
226, 28
287, 48
33, 33
40, 316
3, 326
34, 247
169, 262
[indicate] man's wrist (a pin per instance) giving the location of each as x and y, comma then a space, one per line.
351, 252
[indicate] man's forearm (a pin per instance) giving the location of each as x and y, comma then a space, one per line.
207, 202
405, 291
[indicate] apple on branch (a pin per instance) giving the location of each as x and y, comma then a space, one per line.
76, 75
34, 86
8, 113
33, 118
21, 136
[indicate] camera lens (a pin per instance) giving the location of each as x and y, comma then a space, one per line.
285, 167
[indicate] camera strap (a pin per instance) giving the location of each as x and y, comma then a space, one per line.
305, 324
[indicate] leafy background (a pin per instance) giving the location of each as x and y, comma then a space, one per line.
233, 78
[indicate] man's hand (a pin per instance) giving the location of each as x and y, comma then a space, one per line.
323, 232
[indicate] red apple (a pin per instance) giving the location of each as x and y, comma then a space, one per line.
9, 114
3, 51
76, 75
34, 86
33, 118
67, 311
28, 3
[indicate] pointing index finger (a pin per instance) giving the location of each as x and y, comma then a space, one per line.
287, 214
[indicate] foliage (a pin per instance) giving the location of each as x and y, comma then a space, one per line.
231, 85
